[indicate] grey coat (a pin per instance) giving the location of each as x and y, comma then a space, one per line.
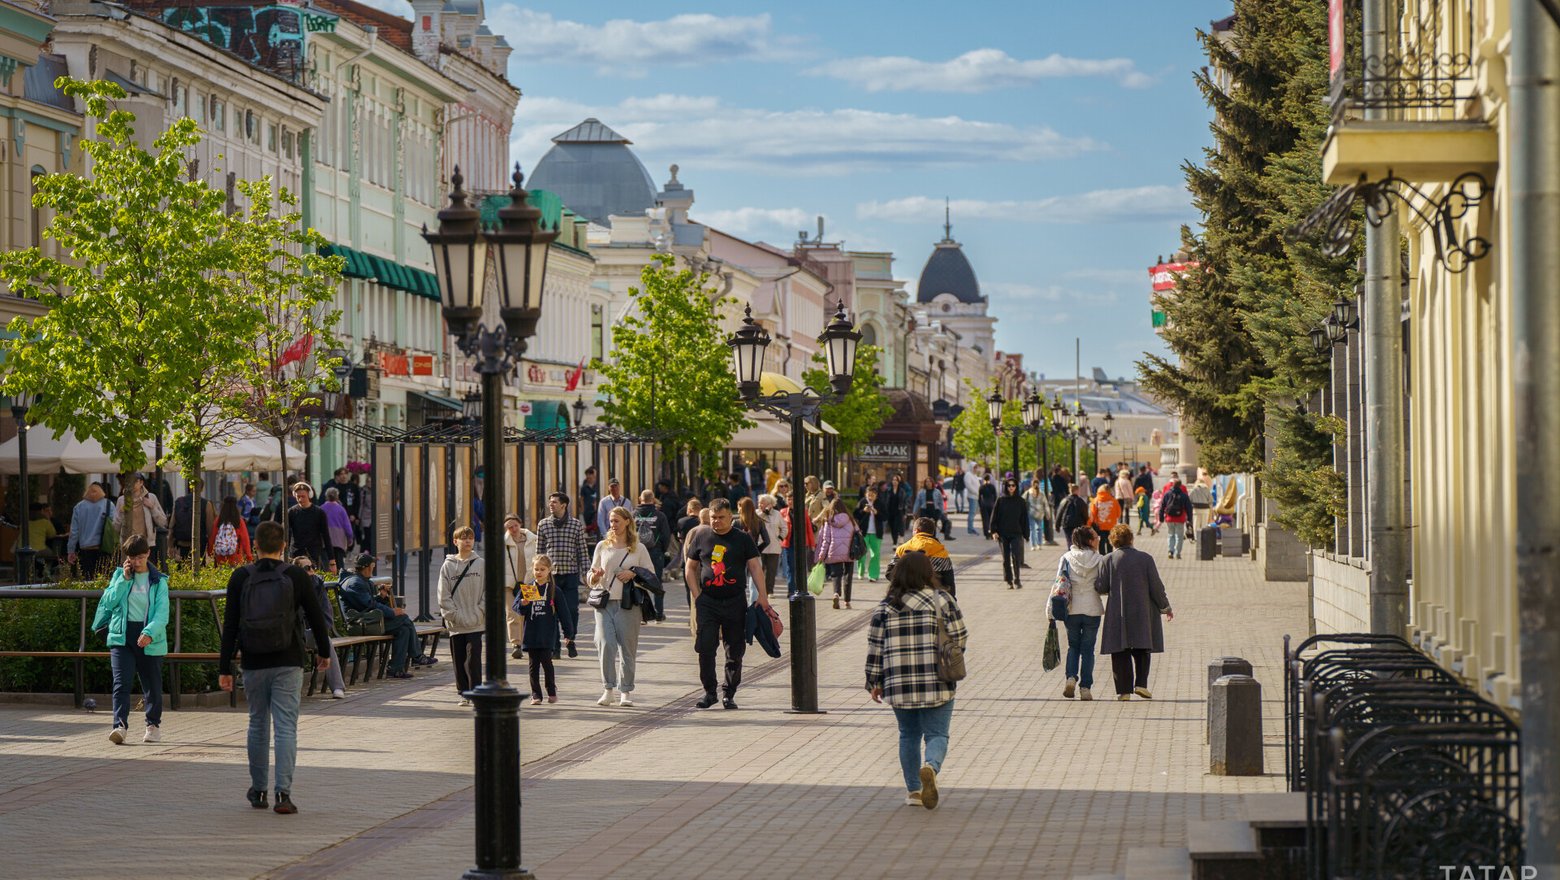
1137, 599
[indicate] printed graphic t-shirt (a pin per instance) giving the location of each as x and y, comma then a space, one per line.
723, 560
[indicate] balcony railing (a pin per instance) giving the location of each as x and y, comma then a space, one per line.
1426, 74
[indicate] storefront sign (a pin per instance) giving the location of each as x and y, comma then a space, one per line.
569, 378
394, 364
1165, 276
422, 365
884, 452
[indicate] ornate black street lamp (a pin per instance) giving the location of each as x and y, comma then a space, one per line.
25, 552
579, 410
1036, 420
1319, 340
515, 251
839, 341
994, 405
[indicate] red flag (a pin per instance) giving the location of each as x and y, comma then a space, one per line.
295, 352
575, 377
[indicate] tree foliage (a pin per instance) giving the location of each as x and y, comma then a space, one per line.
975, 439
864, 408
1237, 324
671, 368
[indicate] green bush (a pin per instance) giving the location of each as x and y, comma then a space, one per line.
54, 625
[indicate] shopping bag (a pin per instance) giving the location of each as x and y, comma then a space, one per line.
815, 579
1051, 655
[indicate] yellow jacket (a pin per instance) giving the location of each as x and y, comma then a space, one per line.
927, 544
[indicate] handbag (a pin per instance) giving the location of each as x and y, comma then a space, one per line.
950, 656
815, 579
1061, 593
1051, 654
365, 623
600, 596
858, 545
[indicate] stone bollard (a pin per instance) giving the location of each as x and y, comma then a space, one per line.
1217, 668
1235, 711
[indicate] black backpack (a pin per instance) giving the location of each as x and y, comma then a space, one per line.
1174, 503
268, 618
649, 535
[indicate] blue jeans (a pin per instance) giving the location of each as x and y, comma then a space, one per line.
1036, 532
130, 662
403, 630
1177, 537
273, 696
914, 726
969, 518
1081, 630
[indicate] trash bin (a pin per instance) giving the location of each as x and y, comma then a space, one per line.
1234, 542
1207, 542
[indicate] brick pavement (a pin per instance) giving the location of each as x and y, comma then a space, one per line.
1034, 785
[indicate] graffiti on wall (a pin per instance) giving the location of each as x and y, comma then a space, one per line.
270, 37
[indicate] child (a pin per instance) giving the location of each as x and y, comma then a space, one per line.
1142, 512
541, 628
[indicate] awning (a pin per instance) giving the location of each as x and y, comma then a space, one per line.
547, 415
766, 433
440, 400
386, 272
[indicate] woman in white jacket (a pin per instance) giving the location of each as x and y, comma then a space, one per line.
462, 605
617, 627
1081, 565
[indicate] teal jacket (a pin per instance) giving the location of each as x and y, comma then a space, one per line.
115, 606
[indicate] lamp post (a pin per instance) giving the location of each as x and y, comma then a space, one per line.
579, 410
994, 413
515, 251
25, 552
839, 341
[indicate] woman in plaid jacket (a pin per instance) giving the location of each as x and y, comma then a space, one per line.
902, 666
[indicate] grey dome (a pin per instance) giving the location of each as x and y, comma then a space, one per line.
594, 172
948, 271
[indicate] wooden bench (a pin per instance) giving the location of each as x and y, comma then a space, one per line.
80, 657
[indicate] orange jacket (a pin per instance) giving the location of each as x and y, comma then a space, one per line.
1105, 510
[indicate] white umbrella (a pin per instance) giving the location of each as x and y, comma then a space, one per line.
51, 453
245, 451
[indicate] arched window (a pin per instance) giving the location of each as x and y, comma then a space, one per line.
868, 334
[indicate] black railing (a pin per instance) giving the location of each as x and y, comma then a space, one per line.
1427, 65
1405, 768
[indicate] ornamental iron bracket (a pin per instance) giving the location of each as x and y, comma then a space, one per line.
1331, 222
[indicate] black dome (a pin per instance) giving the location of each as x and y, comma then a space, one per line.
948, 271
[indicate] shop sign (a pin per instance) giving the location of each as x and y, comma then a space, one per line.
394, 364
883, 452
422, 365
564, 377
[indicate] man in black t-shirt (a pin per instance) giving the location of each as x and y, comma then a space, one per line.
720, 561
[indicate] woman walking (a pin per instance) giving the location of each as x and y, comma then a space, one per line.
1080, 566
338, 526
1009, 524
1038, 500
228, 543
539, 606
463, 605
834, 549
901, 650
617, 620
134, 610
775, 529
1132, 630
749, 521
871, 520
987, 499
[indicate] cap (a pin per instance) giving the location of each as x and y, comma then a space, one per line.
828, 484
613, 481
364, 560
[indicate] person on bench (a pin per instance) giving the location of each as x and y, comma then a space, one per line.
358, 594
333, 679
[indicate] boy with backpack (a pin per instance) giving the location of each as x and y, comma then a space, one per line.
262, 618
1175, 508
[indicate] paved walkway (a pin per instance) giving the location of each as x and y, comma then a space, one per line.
1034, 785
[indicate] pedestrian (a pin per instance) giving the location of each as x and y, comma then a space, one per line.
1124, 494
333, 679
736, 490
1131, 631
870, 521
924, 541
133, 613
796, 581
1104, 512
338, 528
987, 498
902, 669
825, 501
1175, 508
774, 526
717, 557
538, 604
185, 532
249, 507
1009, 524
590, 497
834, 540
655, 535
358, 595
897, 507
1101, 478
307, 526
1142, 512
1072, 513
1144, 480
228, 543
958, 488
562, 538
680, 531
1201, 493
930, 502
617, 617
813, 497
88, 520
264, 600
275, 509
464, 611
140, 513
516, 570
608, 503
1038, 500
972, 484
1080, 568
748, 520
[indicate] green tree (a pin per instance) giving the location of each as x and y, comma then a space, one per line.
671, 368
139, 323
864, 408
973, 436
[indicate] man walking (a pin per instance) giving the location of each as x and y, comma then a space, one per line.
87, 519
1010, 526
1072, 513
307, 526
720, 560
562, 538
654, 531
590, 495
972, 497
264, 600
613, 499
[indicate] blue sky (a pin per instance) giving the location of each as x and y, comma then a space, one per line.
1057, 129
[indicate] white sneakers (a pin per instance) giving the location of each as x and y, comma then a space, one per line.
338, 694
153, 734
1083, 694
624, 699
913, 799
117, 736
1071, 688
606, 698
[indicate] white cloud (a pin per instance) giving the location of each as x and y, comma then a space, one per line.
1142, 203
704, 132
748, 222
978, 71
629, 47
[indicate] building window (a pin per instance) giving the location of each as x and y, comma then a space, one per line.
287, 143
598, 331
868, 335
36, 217
270, 138
218, 114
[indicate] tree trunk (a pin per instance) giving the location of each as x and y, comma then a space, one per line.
281, 441
197, 518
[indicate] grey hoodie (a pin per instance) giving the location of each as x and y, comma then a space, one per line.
1083, 566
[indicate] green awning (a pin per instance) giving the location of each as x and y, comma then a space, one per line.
387, 272
543, 200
